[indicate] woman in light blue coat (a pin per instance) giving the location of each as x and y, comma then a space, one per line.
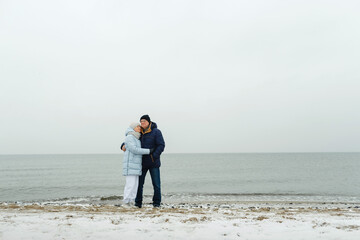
132, 162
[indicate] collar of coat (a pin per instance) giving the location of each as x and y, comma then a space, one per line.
147, 130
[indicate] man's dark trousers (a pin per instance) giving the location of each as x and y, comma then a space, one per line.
155, 178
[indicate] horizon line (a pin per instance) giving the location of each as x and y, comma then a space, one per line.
3, 154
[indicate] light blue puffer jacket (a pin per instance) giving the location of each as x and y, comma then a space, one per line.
133, 154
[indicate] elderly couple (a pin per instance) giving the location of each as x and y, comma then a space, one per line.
143, 146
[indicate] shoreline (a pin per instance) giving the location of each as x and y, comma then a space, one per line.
204, 207
171, 199
294, 202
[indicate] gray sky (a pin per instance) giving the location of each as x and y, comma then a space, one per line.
216, 76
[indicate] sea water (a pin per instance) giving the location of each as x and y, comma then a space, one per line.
185, 177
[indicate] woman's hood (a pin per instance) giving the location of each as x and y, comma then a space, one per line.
129, 129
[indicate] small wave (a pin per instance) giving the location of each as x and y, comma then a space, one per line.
200, 197
111, 198
245, 194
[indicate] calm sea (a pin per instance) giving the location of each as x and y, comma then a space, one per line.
185, 177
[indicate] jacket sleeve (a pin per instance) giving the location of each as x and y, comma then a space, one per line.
159, 145
130, 145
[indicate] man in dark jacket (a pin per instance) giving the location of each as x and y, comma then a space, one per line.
151, 138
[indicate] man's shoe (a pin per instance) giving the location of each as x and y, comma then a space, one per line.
156, 205
137, 205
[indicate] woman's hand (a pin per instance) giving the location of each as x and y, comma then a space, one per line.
122, 147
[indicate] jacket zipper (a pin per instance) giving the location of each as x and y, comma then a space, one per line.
152, 159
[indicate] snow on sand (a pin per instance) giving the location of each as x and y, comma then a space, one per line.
181, 221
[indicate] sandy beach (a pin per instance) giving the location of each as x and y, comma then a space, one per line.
223, 220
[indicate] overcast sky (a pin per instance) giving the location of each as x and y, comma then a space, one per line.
216, 76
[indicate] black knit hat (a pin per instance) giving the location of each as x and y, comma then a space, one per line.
146, 117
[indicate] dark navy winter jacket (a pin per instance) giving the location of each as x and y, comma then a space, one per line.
152, 138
